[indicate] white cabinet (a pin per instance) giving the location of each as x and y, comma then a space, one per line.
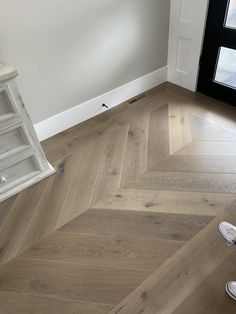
22, 160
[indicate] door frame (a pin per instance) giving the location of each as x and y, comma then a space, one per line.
211, 51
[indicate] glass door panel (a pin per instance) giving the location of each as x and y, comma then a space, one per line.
226, 67
231, 14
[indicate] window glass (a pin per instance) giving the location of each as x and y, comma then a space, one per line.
226, 67
231, 14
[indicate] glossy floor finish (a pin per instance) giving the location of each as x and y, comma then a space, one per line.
128, 224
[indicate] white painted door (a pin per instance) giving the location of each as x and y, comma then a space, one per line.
187, 24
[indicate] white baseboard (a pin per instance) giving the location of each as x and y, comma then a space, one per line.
93, 107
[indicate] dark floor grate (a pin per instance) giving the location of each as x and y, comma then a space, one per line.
132, 101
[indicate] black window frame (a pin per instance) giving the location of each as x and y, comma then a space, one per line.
216, 35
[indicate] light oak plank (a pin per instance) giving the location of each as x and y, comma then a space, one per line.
209, 149
69, 281
158, 137
210, 296
5, 208
189, 181
109, 174
203, 130
176, 279
81, 189
105, 251
231, 208
176, 202
17, 303
137, 224
50, 205
136, 152
71, 144
193, 163
205, 107
179, 126
18, 220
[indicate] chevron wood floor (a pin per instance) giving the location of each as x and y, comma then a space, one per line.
128, 224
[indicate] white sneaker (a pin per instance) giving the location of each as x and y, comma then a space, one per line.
231, 289
228, 232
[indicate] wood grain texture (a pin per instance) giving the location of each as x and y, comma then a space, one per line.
158, 137
178, 202
182, 181
198, 163
210, 296
133, 203
14, 228
12, 303
78, 199
209, 149
179, 126
69, 281
138, 224
135, 161
203, 130
109, 174
51, 203
105, 250
5, 208
181, 275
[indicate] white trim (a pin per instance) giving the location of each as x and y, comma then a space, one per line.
93, 107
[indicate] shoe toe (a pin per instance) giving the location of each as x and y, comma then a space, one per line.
231, 289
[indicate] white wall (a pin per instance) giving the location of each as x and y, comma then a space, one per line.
68, 52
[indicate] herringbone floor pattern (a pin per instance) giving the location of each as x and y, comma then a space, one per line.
134, 204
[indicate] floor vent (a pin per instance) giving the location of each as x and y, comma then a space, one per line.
132, 101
